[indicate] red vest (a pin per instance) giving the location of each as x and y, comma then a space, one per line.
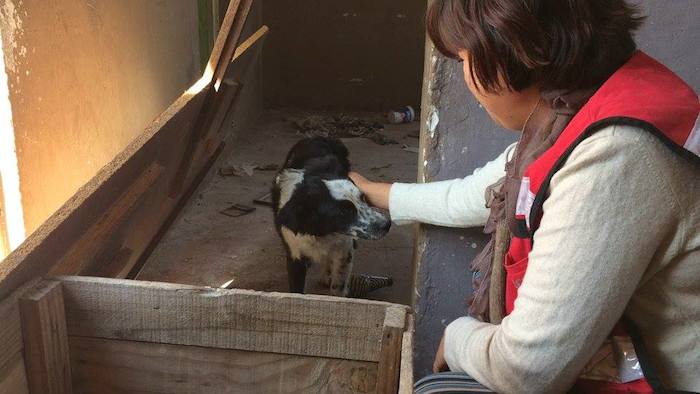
642, 93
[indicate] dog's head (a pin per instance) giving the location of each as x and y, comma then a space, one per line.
316, 197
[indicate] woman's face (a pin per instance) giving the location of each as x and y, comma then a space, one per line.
508, 109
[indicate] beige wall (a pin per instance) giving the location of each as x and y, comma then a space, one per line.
85, 77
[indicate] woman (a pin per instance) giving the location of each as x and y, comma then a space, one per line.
595, 214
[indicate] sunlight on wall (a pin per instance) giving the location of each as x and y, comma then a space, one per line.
9, 172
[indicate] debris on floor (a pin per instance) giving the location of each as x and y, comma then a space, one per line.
265, 199
415, 134
412, 149
361, 284
268, 167
341, 126
237, 210
379, 168
247, 169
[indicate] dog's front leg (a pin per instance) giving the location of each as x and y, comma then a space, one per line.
340, 275
296, 274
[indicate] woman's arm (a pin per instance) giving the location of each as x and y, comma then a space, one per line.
606, 216
452, 203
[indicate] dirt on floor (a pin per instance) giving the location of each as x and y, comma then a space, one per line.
215, 242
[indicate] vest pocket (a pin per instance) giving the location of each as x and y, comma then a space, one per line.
515, 272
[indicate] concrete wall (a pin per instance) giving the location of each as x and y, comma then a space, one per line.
85, 77
466, 138
362, 54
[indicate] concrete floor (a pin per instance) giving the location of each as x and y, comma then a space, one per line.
205, 247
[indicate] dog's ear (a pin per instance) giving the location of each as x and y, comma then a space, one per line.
341, 153
327, 165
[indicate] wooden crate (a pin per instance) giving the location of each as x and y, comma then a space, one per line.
98, 335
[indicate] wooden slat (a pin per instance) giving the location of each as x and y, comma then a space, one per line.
111, 366
84, 250
224, 48
390, 353
222, 37
255, 40
12, 370
14, 379
232, 38
406, 373
226, 98
45, 340
232, 319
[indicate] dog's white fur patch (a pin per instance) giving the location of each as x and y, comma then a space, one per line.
287, 180
332, 252
316, 248
343, 189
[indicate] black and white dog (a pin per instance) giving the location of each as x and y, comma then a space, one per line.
319, 212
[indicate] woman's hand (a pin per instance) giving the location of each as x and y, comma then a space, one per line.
440, 365
377, 193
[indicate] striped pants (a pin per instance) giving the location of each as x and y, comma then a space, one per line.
449, 383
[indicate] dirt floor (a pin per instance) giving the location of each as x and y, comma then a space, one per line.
207, 247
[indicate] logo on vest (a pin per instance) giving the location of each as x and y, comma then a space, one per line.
525, 200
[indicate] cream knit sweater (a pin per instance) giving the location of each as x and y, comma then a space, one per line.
620, 234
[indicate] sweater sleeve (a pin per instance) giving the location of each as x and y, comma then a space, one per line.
605, 217
451, 203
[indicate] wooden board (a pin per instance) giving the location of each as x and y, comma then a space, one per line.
14, 379
390, 353
112, 366
84, 251
285, 323
224, 49
12, 370
406, 373
45, 340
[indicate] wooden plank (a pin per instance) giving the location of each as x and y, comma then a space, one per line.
222, 37
231, 41
224, 47
14, 379
111, 366
12, 370
286, 323
390, 353
84, 250
228, 94
406, 373
255, 40
45, 339
134, 269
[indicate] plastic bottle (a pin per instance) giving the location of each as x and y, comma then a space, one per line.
402, 115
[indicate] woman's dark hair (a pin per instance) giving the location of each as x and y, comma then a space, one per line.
559, 44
